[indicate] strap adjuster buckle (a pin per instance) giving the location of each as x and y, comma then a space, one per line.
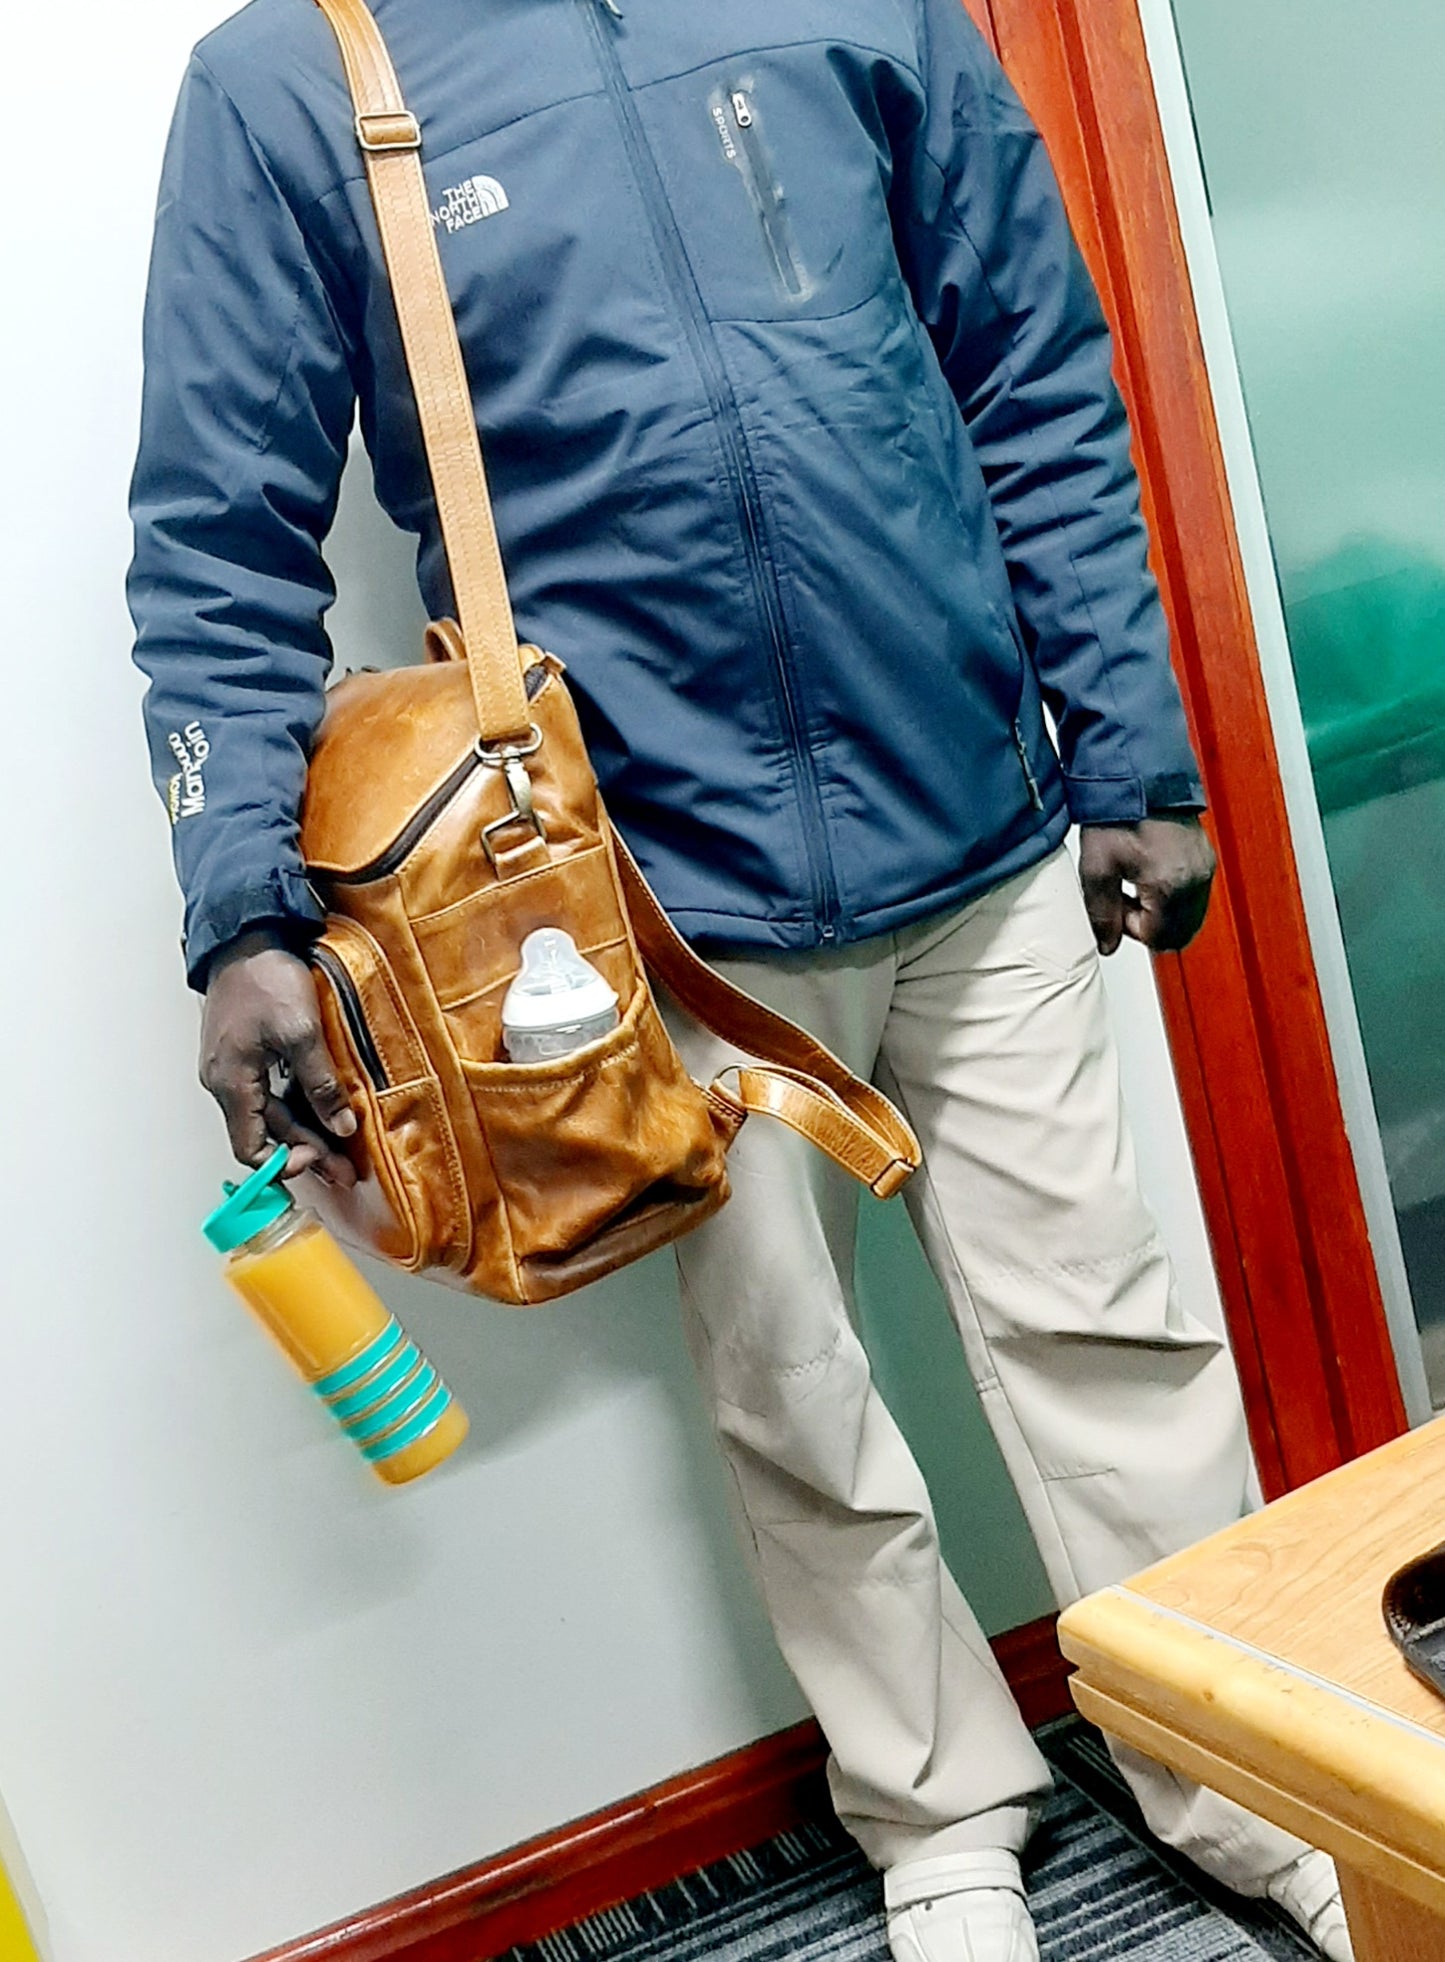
390, 129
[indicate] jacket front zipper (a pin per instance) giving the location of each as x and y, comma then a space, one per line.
728, 422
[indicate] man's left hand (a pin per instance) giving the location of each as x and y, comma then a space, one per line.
1168, 861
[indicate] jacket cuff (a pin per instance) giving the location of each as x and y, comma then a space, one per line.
1182, 792
285, 899
1128, 800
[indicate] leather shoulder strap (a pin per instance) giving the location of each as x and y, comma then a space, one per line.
390, 139
793, 1077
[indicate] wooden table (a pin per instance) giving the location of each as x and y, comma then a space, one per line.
1258, 1664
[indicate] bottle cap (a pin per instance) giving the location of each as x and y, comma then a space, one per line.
252, 1206
556, 985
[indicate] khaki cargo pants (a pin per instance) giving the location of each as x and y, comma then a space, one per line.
1118, 1416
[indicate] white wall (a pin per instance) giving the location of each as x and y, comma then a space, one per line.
242, 1690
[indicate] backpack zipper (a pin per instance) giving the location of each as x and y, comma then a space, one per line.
426, 815
726, 418
352, 1012
420, 822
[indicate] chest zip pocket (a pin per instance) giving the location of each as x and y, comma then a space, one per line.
734, 112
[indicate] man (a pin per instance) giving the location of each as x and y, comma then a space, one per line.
807, 459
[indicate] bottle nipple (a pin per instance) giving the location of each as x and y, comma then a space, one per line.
558, 1001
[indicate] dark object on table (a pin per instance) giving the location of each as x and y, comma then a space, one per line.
1414, 1606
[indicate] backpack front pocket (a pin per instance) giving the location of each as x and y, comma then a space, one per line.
410, 1205
590, 1143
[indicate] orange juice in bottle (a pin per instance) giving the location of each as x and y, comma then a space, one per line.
334, 1327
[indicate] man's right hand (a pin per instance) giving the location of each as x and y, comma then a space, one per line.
261, 1014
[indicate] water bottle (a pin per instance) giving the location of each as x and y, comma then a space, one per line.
558, 1002
334, 1327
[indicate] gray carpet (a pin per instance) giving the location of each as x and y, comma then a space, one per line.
1098, 1887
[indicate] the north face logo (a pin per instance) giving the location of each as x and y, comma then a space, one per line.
479, 197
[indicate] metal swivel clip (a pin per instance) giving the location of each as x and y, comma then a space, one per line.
507, 757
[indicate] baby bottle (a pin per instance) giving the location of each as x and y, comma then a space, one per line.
334, 1327
557, 1003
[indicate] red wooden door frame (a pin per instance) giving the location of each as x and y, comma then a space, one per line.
1243, 1011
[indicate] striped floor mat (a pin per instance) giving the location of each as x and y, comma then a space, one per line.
1098, 1887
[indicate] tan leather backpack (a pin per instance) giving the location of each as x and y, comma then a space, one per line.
451, 809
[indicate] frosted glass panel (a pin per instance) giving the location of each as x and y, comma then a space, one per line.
1323, 141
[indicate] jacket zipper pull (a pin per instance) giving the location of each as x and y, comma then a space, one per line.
612, 8
742, 109
1036, 797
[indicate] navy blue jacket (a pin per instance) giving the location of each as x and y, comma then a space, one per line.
797, 406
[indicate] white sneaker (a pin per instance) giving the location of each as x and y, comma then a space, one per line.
960, 1907
1308, 1890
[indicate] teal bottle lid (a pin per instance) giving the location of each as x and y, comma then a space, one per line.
252, 1206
